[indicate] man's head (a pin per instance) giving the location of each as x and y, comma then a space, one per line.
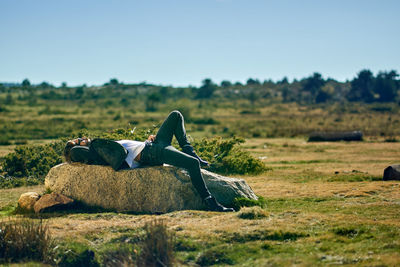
84, 141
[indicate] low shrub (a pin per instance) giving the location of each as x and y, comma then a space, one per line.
186, 244
10, 181
206, 120
127, 133
263, 234
121, 255
73, 254
215, 255
33, 160
24, 239
252, 213
246, 202
226, 157
349, 231
4, 141
157, 246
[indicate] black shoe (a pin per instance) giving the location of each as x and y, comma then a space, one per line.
110, 151
188, 149
213, 205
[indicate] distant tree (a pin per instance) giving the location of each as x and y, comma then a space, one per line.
9, 99
252, 97
238, 83
114, 82
386, 86
26, 83
45, 85
362, 87
226, 84
284, 80
164, 92
206, 90
325, 94
322, 97
63, 85
268, 82
124, 101
152, 100
314, 84
251, 81
286, 94
79, 92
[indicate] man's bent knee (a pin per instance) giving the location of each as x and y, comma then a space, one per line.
176, 113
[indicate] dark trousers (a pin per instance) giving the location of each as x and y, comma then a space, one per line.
160, 151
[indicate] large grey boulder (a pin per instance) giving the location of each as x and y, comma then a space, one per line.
151, 189
392, 173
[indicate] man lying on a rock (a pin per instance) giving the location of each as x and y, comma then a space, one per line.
129, 154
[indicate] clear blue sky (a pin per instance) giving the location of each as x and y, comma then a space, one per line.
182, 42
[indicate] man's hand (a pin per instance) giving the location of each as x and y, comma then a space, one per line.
84, 141
151, 138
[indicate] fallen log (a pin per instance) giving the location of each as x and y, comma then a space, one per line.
335, 136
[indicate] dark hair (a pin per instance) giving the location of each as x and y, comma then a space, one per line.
67, 150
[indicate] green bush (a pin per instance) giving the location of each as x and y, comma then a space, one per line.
33, 160
127, 133
10, 182
215, 255
226, 157
73, 254
246, 202
118, 255
24, 239
4, 141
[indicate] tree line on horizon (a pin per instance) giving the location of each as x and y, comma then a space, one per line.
365, 87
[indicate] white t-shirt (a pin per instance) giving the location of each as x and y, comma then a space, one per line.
133, 148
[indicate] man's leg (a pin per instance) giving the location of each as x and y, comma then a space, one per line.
172, 125
158, 153
172, 156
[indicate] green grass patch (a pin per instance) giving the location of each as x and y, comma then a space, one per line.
253, 213
72, 253
263, 235
353, 177
305, 161
349, 231
227, 157
246, 202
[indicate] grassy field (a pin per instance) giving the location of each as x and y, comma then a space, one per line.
53, 119
326, 205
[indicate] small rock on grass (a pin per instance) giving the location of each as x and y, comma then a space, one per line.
27, 200
391, 173
51, 202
